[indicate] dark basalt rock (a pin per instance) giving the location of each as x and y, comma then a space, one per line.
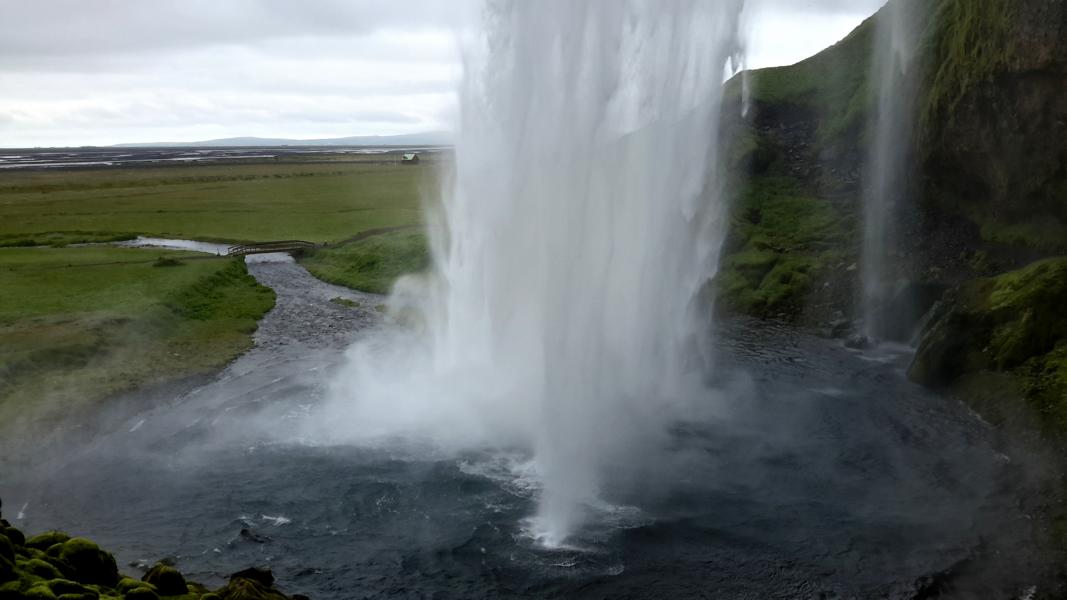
260, 576
251, 536
251, 584
7, 549
858, 342
16, 536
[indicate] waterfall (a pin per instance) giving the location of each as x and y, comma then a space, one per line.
583, 218
893, 82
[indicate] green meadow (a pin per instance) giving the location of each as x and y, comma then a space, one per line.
246, 202
78, 324
371, 264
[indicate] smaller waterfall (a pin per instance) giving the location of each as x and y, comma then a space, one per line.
893, 83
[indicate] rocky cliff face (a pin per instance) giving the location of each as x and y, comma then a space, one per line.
986, 194
988, 188
994, 155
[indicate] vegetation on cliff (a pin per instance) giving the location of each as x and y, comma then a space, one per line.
1012, 322
987, 191
970, 42
781, 241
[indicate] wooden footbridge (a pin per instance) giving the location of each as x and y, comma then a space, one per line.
287, 246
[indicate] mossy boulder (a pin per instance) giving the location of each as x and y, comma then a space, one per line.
7, 570
15, 536
46, 540
40, 590
66, 587
40, 568
11, 590
142, 593
167, 580
126, 584
55, 566
7, 549
783, 242
90, 563
251, 584
1015, 323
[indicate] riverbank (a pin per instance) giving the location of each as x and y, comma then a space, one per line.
78, 325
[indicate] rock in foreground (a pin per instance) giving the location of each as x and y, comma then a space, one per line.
54, 565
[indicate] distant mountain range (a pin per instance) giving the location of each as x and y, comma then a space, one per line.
430, 138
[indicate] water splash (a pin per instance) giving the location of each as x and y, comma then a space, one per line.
582, 221
893, 78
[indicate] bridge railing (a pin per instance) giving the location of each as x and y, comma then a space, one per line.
267, 247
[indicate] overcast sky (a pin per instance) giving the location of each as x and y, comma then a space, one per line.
80, 72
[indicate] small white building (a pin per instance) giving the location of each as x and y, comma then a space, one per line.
410, 158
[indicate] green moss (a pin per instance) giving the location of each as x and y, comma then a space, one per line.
126, 584
970, 42
46, 540
781, 240
1043, 233
1045, 382
40, 568
1012, 323
231, 294
90, 563
372, 264
832, 86
141, 594
40, 591
167, 580
61, 587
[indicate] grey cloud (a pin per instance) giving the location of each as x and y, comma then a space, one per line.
105, 71
77, 27
357, 116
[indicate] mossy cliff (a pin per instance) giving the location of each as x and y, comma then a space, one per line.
795, 159
1012, 324
986, 191
981, 210
993, 155
56, 566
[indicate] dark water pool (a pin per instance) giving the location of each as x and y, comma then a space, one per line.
831, 477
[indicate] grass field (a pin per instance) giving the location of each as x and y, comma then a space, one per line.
371, 264
247, 202
78, 324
